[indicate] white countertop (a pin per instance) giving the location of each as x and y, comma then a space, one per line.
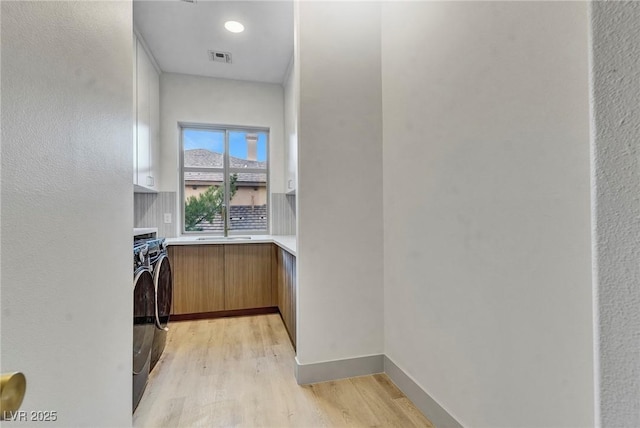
286, 242
137, 231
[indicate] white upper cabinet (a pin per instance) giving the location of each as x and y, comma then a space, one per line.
291, 129
135, 113
147, 130
154, 127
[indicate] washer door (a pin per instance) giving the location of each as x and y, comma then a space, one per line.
164, 291
143, 318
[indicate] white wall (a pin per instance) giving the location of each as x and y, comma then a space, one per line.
67, 208
616, 177
486, 208
206, 100
339, 182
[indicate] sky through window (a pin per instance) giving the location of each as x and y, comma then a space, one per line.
214, 142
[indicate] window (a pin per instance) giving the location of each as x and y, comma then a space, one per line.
222, 168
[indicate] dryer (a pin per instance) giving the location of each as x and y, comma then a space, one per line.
143, 320
163, 286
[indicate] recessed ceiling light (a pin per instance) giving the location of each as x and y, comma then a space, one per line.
234, 26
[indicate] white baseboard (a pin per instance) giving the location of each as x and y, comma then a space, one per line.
372, 364
338, 369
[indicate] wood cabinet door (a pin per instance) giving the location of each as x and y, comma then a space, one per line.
198, 278
286, 289
247, 271
279, 278
289, 293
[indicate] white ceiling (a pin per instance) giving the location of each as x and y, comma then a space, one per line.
179, 35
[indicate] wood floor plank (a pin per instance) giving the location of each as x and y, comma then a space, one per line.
344, 405
413, 413
389, 412
170, 414
239, 372
391, 389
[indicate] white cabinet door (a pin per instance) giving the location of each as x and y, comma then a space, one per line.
143, 111
154, 127
291, 130
135, 110
146, 131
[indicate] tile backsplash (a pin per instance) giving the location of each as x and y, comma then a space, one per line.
149, 210
283, 210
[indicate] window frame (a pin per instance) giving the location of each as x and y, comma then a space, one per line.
226, 171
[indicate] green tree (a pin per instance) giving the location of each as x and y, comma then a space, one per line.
206, 205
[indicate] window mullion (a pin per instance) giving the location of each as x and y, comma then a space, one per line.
227, 188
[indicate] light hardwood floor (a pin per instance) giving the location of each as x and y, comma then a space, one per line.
239, 372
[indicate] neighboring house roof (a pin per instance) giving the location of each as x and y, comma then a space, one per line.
205, 158
202, 157
243, 217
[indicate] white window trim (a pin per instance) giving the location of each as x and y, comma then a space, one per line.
226, 171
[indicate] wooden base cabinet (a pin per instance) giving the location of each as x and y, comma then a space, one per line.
214, 278
198, 278
211, 279
247, 276
286, 288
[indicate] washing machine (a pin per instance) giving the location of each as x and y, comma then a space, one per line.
143, 319
163, 286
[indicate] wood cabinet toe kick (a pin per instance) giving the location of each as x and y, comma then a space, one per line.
211, 281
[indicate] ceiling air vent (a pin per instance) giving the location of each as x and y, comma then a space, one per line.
218, 56
189, 1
